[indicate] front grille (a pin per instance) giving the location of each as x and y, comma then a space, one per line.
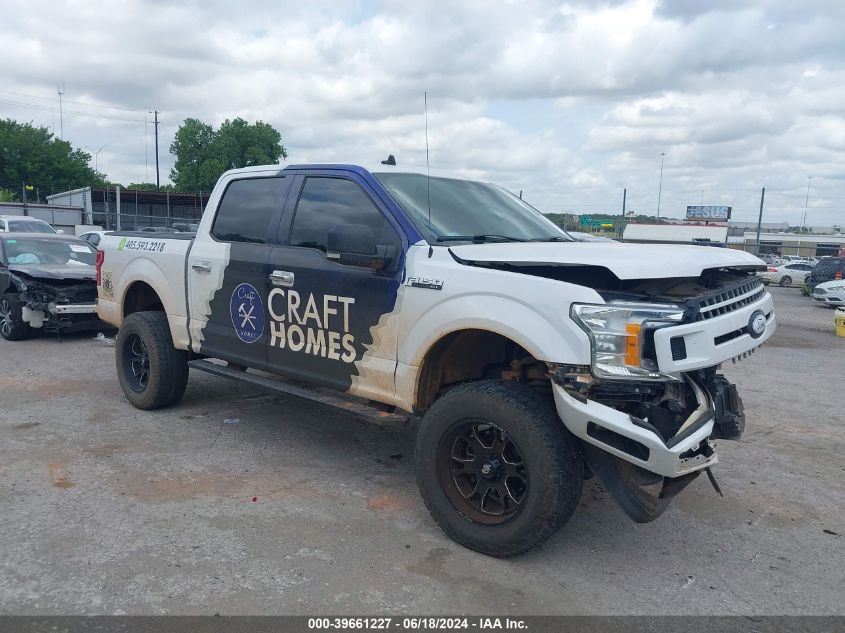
729, 299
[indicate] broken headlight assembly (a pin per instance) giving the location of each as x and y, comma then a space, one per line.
622, 337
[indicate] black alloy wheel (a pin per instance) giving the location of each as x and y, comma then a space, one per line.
482, 471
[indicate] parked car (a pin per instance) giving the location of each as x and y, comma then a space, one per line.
157, 229
24, 224
47, 282
92, 237
786, 274
831, 293
531, 359
828, 269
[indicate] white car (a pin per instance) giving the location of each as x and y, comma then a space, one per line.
831, 293
24, 224
786, 274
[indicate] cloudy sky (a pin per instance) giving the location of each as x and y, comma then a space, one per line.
569, 102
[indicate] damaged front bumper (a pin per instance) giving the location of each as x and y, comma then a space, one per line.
641, 466
607, 428
60, 317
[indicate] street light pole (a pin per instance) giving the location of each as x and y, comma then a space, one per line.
806, 201
96, 156
660, 187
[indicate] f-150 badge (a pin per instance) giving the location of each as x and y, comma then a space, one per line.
247, 312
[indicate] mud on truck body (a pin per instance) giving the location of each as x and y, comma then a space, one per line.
532, 361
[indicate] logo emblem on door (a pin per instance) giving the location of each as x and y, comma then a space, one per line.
247, 312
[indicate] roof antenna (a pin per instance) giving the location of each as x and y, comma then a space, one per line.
391, 160
427, 168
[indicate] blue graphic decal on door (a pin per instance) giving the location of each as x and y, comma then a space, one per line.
247, 310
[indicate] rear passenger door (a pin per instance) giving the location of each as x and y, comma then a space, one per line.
227, 271
334, 286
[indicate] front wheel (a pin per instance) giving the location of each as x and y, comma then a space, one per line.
496, 468
12, 325
785, 281
152, 373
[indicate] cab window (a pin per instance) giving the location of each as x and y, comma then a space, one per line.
247, 208
336, 216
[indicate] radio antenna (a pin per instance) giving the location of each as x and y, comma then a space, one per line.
427, 167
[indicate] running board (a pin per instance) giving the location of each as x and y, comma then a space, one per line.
286, 387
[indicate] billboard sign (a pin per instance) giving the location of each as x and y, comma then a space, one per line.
715, 213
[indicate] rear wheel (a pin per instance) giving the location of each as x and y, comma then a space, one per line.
496, 468
785, 281
12, 326
152, 373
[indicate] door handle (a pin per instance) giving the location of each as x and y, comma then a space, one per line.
201, 267
281, 278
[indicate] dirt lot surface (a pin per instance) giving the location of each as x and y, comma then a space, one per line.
298, 509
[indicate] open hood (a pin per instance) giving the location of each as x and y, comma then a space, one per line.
626, 261
74, 272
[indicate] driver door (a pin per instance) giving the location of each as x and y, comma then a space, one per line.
334, 282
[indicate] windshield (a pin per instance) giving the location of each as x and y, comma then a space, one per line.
468, 209
29, 226
32, 250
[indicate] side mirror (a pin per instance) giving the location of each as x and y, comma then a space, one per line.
355, 245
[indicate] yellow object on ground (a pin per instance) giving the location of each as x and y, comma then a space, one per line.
839, 318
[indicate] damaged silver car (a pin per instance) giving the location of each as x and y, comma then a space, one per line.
48, 282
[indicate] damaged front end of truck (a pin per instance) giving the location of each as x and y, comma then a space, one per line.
652, 404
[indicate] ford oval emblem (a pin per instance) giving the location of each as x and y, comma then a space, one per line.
757, 324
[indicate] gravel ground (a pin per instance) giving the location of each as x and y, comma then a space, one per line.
299, 509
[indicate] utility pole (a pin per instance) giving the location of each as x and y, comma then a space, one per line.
155, 121
760, 219
624, 202
61, 90
660, 187
806, 201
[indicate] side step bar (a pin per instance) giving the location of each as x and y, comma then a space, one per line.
280, 385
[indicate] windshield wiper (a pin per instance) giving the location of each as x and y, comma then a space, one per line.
478, 238
551, 238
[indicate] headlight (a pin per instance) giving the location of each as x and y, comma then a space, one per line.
621, 332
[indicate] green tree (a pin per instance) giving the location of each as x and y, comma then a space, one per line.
148, 186
203, 153
32, 155
7, 195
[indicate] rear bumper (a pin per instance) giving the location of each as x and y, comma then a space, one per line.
683, 454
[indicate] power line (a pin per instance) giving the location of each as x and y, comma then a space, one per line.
36, 106
83, 103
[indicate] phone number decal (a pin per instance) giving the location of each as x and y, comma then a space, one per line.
140, 245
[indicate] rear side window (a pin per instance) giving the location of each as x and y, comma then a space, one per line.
247, 208
829, 265
326, 203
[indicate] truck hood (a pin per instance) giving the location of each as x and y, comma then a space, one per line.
44, 271
626, 261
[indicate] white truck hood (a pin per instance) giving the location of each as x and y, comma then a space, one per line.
626, 261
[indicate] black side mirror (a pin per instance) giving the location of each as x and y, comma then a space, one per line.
355, 245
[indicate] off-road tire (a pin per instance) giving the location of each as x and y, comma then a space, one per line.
167, 366
549, 452
785, 281
16, 329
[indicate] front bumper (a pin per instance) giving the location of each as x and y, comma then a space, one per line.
712, 341
687, 452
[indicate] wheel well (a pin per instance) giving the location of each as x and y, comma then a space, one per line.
472, 355
141, 297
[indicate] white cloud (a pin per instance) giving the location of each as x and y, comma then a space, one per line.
738, 95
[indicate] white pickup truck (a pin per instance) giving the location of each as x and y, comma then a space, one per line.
534, 361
